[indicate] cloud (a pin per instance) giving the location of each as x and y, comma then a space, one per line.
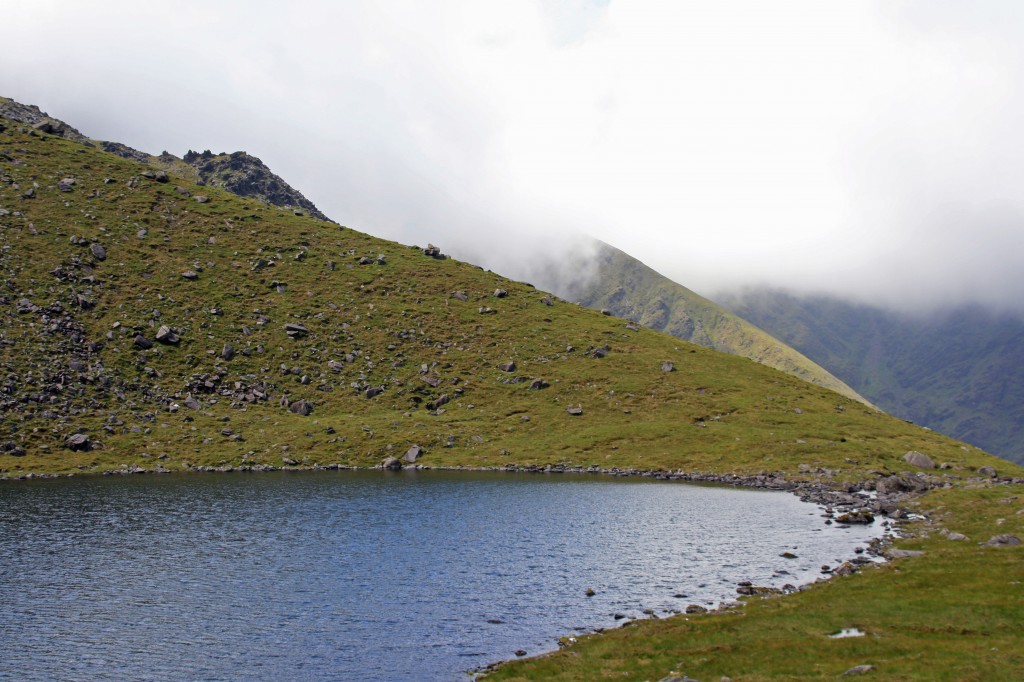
864, 149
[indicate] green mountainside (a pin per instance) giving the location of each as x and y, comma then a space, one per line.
178, 324
149, 323
960, 372
629, 289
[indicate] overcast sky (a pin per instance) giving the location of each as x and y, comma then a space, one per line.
869, 149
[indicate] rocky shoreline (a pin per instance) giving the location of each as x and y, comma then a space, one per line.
886, 494
885, 497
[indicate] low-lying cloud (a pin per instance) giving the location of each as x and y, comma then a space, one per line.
869, 150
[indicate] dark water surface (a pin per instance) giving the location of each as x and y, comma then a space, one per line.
366, 575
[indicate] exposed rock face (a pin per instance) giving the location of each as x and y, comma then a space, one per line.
239, 173
32, 117
247, 176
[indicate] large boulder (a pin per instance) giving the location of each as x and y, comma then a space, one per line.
79, 442
919, 460
413, 453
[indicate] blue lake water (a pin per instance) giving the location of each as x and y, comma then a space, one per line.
411, 575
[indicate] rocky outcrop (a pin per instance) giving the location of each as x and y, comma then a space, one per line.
247, 176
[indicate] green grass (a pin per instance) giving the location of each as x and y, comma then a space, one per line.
949, 615
630, 289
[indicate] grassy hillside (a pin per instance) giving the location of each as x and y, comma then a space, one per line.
290, 341
376, 315
629, 289
960, 372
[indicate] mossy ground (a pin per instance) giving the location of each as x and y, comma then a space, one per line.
393, 323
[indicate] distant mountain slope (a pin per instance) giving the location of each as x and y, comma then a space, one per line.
627, 288
960, 372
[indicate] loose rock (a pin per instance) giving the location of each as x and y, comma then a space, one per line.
1002, 541
166, 335
858, 670
919, 460
79, 442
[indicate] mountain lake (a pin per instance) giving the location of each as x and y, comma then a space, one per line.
369, 575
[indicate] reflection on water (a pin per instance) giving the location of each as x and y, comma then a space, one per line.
367, 575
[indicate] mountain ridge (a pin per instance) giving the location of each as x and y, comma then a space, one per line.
627, 288
239, 172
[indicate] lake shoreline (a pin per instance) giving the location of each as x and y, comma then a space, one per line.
826, 493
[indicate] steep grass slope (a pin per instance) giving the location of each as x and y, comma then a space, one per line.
628, 288
97, 258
